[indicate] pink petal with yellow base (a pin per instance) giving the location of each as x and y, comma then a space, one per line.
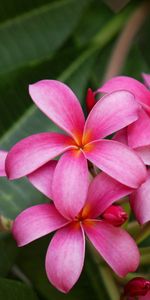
59, 103
34, 151
118, 161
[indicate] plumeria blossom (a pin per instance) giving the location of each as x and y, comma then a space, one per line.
66, 251
139, 90
140, 198
3, 155
138, 133
84, 142
137, 136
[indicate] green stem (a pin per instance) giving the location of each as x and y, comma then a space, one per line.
111, 29
123, 281
145, 259
106, 275
133, 228
125, 40
109, 282
143, 234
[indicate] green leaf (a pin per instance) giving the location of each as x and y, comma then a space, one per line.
13, 290
10, 9
116, 5
28, 43
14, 93
94, 19
8, 253
144, 44
36, 34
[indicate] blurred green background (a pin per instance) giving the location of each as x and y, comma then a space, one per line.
72, 41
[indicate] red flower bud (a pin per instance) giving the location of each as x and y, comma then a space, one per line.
90, 100
115, 215
137, 287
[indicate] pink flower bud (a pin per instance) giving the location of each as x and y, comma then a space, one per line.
90, 100
137, 287
115, 215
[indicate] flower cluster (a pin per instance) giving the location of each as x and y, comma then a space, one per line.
82, 206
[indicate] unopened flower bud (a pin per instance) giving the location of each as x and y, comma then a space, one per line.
137, 287
115, 215
90, 100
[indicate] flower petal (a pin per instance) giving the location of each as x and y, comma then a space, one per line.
121, 136
139, 131
65, 257
70, 183
3, 155
140, 201
42, 178
34, 151
103, 191
118, 161
141, 93
115, 245
144, 153
110, 114
35, 222
146, 78
60, 104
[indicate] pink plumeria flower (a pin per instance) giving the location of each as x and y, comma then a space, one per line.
66, 252
140, 198
140, 202
139, 90
59, 103
137, 136
3, 155
138, 133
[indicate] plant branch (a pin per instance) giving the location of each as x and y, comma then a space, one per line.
126, 39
